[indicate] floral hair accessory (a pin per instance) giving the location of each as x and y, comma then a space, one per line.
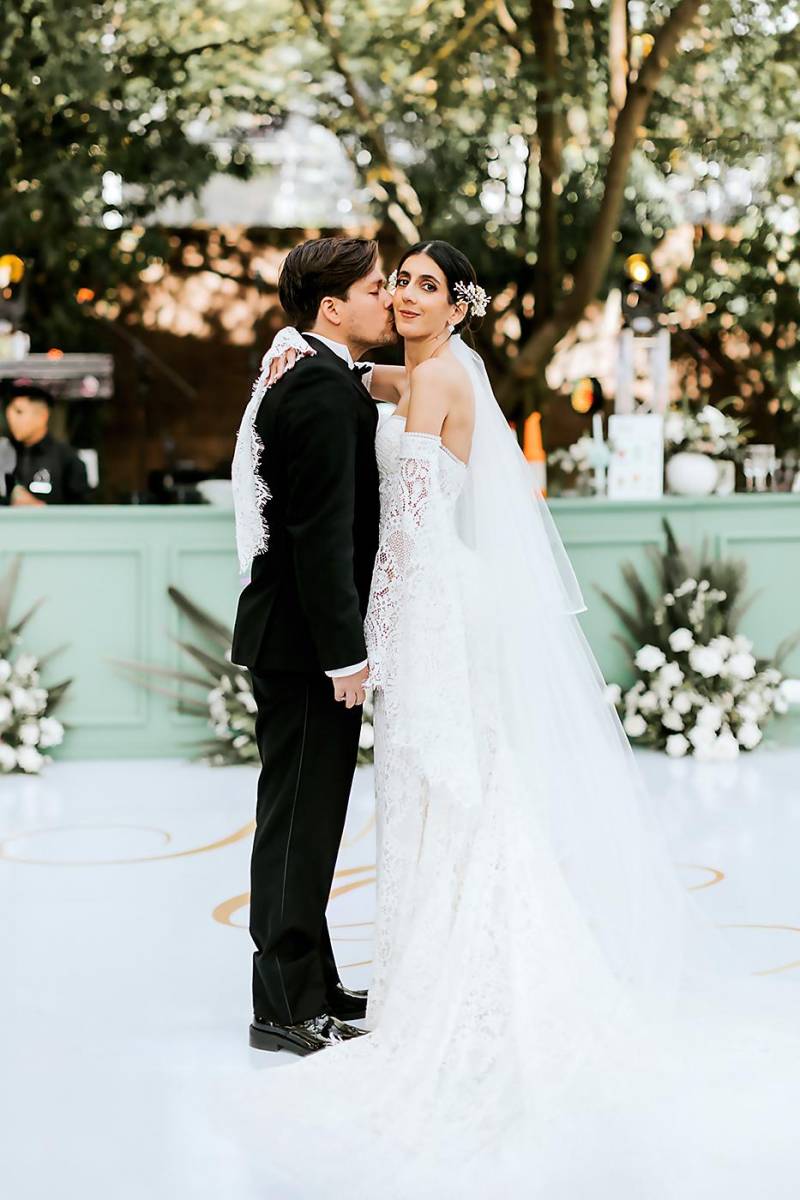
391, 283
474, 296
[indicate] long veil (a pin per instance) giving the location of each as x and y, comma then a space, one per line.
583, 780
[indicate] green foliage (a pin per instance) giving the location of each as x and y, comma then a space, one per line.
97, 88
442, 107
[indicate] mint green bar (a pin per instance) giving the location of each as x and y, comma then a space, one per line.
104, 572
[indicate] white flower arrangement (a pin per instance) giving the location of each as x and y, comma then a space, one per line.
700, 690
580, 460
710, 430
27, 727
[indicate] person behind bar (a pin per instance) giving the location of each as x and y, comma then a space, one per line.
47, 471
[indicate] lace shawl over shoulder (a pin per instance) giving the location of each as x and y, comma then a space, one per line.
250, 490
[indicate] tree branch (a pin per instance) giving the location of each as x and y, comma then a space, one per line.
617, 56
592, 270
388, 181
454, 43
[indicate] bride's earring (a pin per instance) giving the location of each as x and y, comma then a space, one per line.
451, 329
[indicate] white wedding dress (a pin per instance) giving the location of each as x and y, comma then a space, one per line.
546, 1021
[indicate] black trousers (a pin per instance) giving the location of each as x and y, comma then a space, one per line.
308, 745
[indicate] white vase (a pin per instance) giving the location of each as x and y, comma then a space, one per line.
691, 474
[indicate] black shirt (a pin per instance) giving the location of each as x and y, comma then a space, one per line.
52, 471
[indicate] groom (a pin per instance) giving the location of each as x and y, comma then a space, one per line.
299, 629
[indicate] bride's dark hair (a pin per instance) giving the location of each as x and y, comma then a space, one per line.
455, 266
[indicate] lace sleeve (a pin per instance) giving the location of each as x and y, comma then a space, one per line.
401, 556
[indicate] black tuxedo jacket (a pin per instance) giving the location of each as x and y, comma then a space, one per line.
304, 607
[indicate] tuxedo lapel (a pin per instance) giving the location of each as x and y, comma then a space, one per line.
341, 365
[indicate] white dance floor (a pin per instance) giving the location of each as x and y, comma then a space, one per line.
126, 960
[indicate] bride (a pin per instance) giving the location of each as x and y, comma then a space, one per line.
549, 1015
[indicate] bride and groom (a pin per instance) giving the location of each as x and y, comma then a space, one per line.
307, 486
545, 1006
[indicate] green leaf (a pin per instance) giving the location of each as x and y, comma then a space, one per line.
214, 629
8, 586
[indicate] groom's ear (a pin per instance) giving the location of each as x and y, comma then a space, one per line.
330, 309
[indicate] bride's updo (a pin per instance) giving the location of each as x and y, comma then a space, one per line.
455, 267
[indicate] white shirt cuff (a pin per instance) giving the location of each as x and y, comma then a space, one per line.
347, 670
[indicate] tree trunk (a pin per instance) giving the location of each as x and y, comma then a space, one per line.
591, 272
547, 276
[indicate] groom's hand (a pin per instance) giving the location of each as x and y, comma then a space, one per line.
350, 688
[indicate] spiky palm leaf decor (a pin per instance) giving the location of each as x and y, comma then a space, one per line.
27, 726
223, 692
700, 689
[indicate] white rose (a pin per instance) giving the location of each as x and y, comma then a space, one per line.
366, 737
780, 704
705, 660
51, 732
8, 757
5, 670
612, 693
649, 658
723, 644
713, 417
740, 642
248, 700
742, 665
702, 740
648, 702
672, 720
682, 702
635, 725
29, 733
727, 746
26, 664
6, 709
670, 676
29, 758
21, 699
677, 745
750, 709
710, 717
749, 735
674, 427
681, 639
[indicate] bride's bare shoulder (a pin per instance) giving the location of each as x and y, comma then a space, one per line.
444, 373
439, 392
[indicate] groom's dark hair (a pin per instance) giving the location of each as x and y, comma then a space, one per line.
319, 268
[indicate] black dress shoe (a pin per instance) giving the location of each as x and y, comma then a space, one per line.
306, 1037
348, 1005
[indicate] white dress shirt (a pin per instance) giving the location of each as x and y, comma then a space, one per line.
344, 353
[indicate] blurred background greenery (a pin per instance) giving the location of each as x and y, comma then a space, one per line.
157, 159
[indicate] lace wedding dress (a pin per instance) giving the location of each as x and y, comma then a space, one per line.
546, 1019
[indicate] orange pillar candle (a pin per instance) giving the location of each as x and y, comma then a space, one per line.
533, 449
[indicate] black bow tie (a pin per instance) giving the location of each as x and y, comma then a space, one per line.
360, 369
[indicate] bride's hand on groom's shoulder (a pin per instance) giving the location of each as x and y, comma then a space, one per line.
288, 345
280, 365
